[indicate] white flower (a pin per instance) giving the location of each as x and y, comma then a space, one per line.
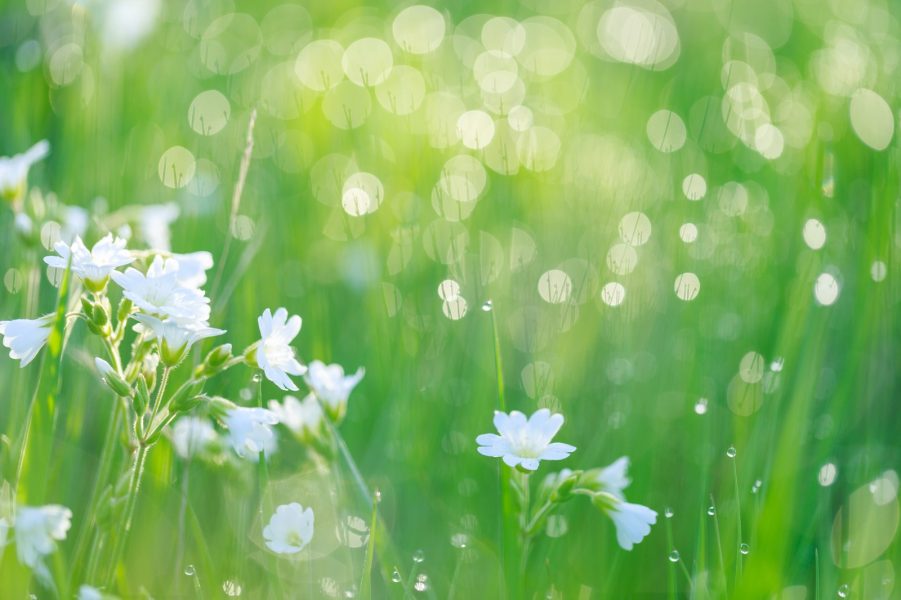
191, 436
38, 529
154, 222
633, 522
331, 386
274, 353
250, 431
175, 337
87, 592
290, 529
14, 170
304, 419
95, 265
192, 268
522, 442
75, 222
158, 292
26, 337
613, 478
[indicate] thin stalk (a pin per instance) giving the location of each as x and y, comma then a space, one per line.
671, 572
719, 546
235, 203
100, 479
498, 365
134, 485
524, 537
738, 555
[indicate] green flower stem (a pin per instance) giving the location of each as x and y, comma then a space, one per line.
134, 485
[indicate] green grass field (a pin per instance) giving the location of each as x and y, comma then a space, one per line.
673, 222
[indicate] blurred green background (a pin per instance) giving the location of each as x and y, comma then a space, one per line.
764, 356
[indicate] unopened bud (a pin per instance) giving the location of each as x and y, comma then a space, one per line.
142, 395
112, 379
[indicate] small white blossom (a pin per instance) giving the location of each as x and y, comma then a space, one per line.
274, 353
332, 386
191, 436
87, 592
92, 266
14, 169
175, 337
159, 294
26, 337
250, 431
633, 522
192, 268
154, 222
522, 442
290, 529
37, 530
303, 419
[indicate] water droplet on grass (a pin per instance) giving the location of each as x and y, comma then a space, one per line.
731, 452
674, 556
843, 590
395, 576
257, 377
487, 306
668, 512
418, 556
711, 510
190, 570
744, 549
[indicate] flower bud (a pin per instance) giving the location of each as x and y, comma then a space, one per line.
171, 355
112, 379
565, 486
124, 309
142, 395
219, 355
187, 397
250, 356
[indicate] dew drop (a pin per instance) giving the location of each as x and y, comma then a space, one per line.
418, 556
843, 590
378, 495
701, 406
459, 540
744, 549
422, 583
257, 377
487, 306
674, 556
731, 452
711, 510
190, 571
668, 512
395, 576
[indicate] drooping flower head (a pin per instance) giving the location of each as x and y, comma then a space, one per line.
37, 529
274, 353
302, 418
92, 266
522, 442
158, 292
250, 431
176, 337
633, 521
26, 337
332, 386
14, 170
191, 436
613, 478
290, 529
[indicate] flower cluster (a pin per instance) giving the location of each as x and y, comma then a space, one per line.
523, 443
